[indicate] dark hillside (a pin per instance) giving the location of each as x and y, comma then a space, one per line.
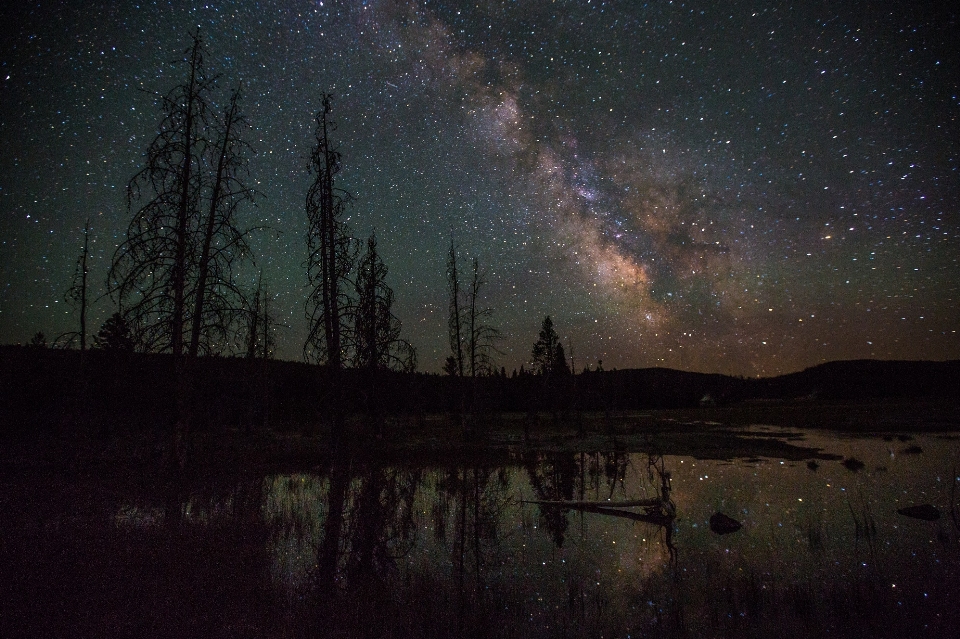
866, 379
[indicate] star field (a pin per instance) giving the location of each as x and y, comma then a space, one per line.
736, 187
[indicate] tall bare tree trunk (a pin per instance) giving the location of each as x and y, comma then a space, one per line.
208, 235
178, 456
456, 319
455, 332
474, 335
83, 289
180, 260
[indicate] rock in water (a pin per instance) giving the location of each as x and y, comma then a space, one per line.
723, 525
853, 464
925, 512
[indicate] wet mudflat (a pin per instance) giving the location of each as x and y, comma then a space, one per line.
548, 541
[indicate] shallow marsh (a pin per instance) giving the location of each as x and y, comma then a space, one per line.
435, 546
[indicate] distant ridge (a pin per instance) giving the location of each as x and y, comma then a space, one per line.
867, 378
837, 381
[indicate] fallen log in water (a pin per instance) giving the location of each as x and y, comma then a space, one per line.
655, 511
633, 503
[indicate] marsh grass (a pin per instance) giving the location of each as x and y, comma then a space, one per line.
814, 530
864, 523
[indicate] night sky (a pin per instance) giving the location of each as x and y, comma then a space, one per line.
736, 187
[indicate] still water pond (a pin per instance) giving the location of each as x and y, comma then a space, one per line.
471, 550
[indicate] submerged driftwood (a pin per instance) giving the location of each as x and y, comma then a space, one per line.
632, 503
655, 511
926, 512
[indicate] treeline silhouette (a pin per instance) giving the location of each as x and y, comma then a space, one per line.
46, 390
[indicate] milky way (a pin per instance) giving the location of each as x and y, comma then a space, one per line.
734, 187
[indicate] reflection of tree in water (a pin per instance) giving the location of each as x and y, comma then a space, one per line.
664, 513
556, 477
561, 476
293, 507
476, 499
341, 540
606, 470
369, 524
341, 536
345, 543
553, 477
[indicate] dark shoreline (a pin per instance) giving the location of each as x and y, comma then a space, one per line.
105, 412
717, 433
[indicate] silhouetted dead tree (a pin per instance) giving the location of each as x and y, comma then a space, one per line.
376, 330
472, 337
173, 276
260, 324
454, 365
259, 349
481, 335
77, 295
253, 321
149, 273
218, 301
455, 321
331, 252
377, 345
